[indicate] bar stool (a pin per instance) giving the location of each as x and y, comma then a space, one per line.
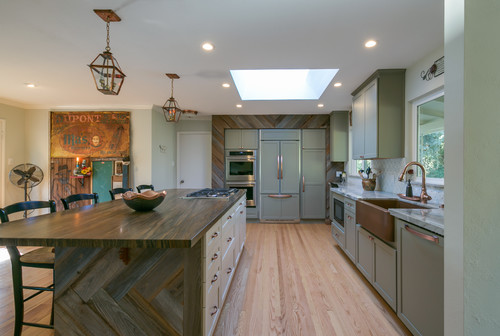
141, 187
118, 191
39, 258
78, 197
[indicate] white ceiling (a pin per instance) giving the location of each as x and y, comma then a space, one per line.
50, 43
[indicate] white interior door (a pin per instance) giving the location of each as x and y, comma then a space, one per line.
194, 160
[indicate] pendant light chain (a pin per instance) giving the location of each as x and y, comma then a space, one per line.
107, 36
172, 89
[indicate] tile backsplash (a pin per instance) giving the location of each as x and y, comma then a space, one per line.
388, 180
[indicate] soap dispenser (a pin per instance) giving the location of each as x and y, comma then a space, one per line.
409, 189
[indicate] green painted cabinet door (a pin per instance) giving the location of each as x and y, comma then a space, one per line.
101, 179
290, 170
313, 138
269, 167
313, 192
232, 139
249, 139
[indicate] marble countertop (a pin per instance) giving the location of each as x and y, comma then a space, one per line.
431, 219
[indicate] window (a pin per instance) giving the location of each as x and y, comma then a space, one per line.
429, 136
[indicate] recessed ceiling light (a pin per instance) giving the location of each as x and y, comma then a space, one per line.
321, 105
238, 105
370, 43
282, 84
207, 46
30, 85
226, 85
338, 84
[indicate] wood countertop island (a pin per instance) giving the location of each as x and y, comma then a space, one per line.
122, 272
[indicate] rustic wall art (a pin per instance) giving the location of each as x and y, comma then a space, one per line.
89, 134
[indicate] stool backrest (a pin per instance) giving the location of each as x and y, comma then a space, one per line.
25, 206
78, 197
144, 186
118, 191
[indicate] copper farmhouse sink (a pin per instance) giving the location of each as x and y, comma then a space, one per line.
374, 216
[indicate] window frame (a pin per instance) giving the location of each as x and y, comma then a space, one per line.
429, 181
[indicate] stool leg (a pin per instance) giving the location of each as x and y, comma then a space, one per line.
53, 297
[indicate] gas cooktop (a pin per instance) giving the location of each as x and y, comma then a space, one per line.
212, 193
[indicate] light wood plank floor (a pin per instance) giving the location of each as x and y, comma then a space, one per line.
292, 280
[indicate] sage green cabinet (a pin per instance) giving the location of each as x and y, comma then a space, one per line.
313, 139
339, 136
313, 190
241, 139
378, 111
420, 279
350, 247
272, 208
376, 260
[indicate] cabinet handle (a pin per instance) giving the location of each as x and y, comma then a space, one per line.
215, 278
349, 217
303, 183
229, 217
215, 235
215, 311
370, 237
434, 239
229, 239
216, 255
241, 212
280, 196
229, 270
281, 165
278, 167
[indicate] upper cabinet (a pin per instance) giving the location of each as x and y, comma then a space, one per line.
313, 139
378, 111
241, 139
339, 136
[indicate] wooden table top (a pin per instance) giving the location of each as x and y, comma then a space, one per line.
176, 222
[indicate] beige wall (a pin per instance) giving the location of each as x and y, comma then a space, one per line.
14, 149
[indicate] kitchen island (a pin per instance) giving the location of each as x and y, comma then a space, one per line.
122, 272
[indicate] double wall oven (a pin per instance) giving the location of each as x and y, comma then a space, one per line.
241, 171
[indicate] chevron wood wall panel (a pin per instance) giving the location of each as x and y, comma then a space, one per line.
221, 122
158, 292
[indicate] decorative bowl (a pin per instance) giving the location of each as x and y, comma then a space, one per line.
145, 201
369, 184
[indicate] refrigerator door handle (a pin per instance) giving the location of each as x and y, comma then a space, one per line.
281, 167
278, 157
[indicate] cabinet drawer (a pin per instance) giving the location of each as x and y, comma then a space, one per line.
211, 281
211, 311
213, 260
227, 271
212, 237
228, 236
349, 205
338, 235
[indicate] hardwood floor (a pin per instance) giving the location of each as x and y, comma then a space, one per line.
292, 280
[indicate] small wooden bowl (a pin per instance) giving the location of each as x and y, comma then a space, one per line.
145, 201
369, 184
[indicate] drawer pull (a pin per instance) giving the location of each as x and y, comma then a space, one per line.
229, 217
216, 255
229, 239
215, 311
229, 270
215, 278
215, 235
241, 212
434, 239
349, 217
279, 196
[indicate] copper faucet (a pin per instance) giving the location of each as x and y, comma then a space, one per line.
424, 197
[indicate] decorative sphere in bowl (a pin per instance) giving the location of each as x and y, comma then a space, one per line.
145, 201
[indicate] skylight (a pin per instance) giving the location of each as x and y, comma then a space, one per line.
282, 84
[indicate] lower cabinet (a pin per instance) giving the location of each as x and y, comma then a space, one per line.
272, 208
350, 228
222, 247
420, 279
376, 260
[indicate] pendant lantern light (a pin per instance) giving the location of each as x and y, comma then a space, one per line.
171, 109
106, 71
